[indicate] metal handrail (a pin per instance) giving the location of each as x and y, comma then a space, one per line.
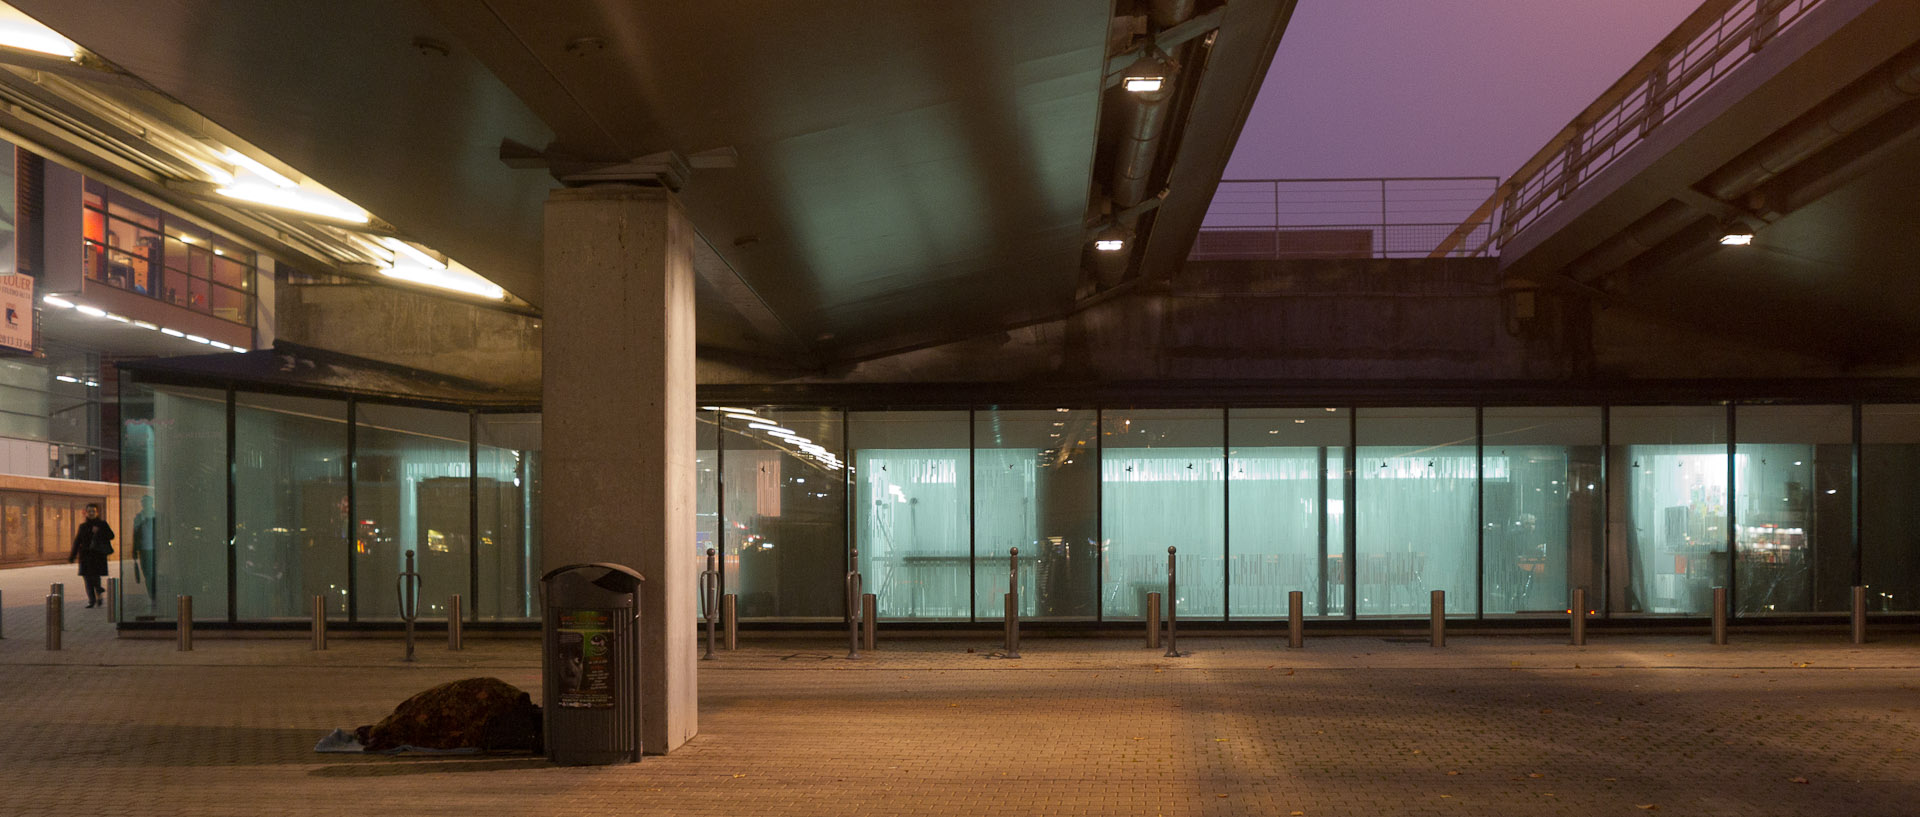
1708, 45
1377, 217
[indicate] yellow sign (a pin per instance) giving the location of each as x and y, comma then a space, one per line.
16, 312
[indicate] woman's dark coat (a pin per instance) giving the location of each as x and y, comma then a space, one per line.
91, 547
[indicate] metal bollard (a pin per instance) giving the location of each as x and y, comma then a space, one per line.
456, 626
3, 623
710, 599
853, 608
1173, 602
1296, 619
869, 615
319, 622
730, 619
185, 623
1720, 616
1439, 616
59, 591
1013, 603
55, 611
407, 587
113, 600
1859, 614
1153, 621
1577, 617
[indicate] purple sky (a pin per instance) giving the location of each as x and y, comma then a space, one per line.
1437, 87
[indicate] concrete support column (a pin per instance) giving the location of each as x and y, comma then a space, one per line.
618, 421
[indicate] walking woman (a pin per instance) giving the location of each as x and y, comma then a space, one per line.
92, 544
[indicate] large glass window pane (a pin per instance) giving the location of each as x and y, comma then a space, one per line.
290, 501
1036, 486
911, 475
1162, 485
785, 509
173, 470
1283, 474
19, 523
1416, 477
1793, 509
1541, 508
706, 495
1667, 472
508, 490
410, 494
1890, 507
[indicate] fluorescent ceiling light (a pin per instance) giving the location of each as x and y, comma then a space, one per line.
1737, 239
55, 300
240, 350
198, 339
174, 332
145, 325
1109, 245
243, 161
118, 318
1143, 85
91, 311
770, 427
66, 378
457, 279
288, 198
218, 345
17, 30
410, 251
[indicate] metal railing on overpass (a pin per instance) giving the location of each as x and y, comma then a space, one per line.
1335, 218
1709, 44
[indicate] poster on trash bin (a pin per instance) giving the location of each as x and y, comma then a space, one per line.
585, 659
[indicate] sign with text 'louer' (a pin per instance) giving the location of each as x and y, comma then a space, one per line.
16, 312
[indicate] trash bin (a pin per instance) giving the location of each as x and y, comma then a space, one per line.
591, 664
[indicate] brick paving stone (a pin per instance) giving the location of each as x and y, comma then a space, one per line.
1093, 726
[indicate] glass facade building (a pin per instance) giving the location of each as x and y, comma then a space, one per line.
265, 500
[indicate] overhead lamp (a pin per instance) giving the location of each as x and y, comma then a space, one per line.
244, 162
55, 300
412, 252
172, 332
91, 311
1149, 75
1736, 238
1113, 238
456, 280
198, 339
17, 30
295, 199
147, 325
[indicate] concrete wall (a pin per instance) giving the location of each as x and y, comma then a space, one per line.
1297, 319
413, 329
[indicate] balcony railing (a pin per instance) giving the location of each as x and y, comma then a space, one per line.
1335, 218
1709, 44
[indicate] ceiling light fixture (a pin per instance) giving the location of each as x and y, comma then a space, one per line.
17, 30
412, 252
172, 332
1736, 238
288, 198
1112, 238
1148, 76
90, 311
55, 300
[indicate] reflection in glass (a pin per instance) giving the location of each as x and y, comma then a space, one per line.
910, 511
508, 491
1416, 493
1890, 507
1162, 484
1284, 475
1793, 509
1669, 474
411, 494
290, 483
173, 449
1035, 489
785, 513
1541, 508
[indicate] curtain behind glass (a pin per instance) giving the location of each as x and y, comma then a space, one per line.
507, 488
910, 512
1541, 508
1890, 507
1283, 473
785, 507
1162, 484
1668, 472
411, 494
1417, 503
1793, 500
1035, 488
290, 500
174, 474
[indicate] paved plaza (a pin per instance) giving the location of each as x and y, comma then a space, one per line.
1799, 724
